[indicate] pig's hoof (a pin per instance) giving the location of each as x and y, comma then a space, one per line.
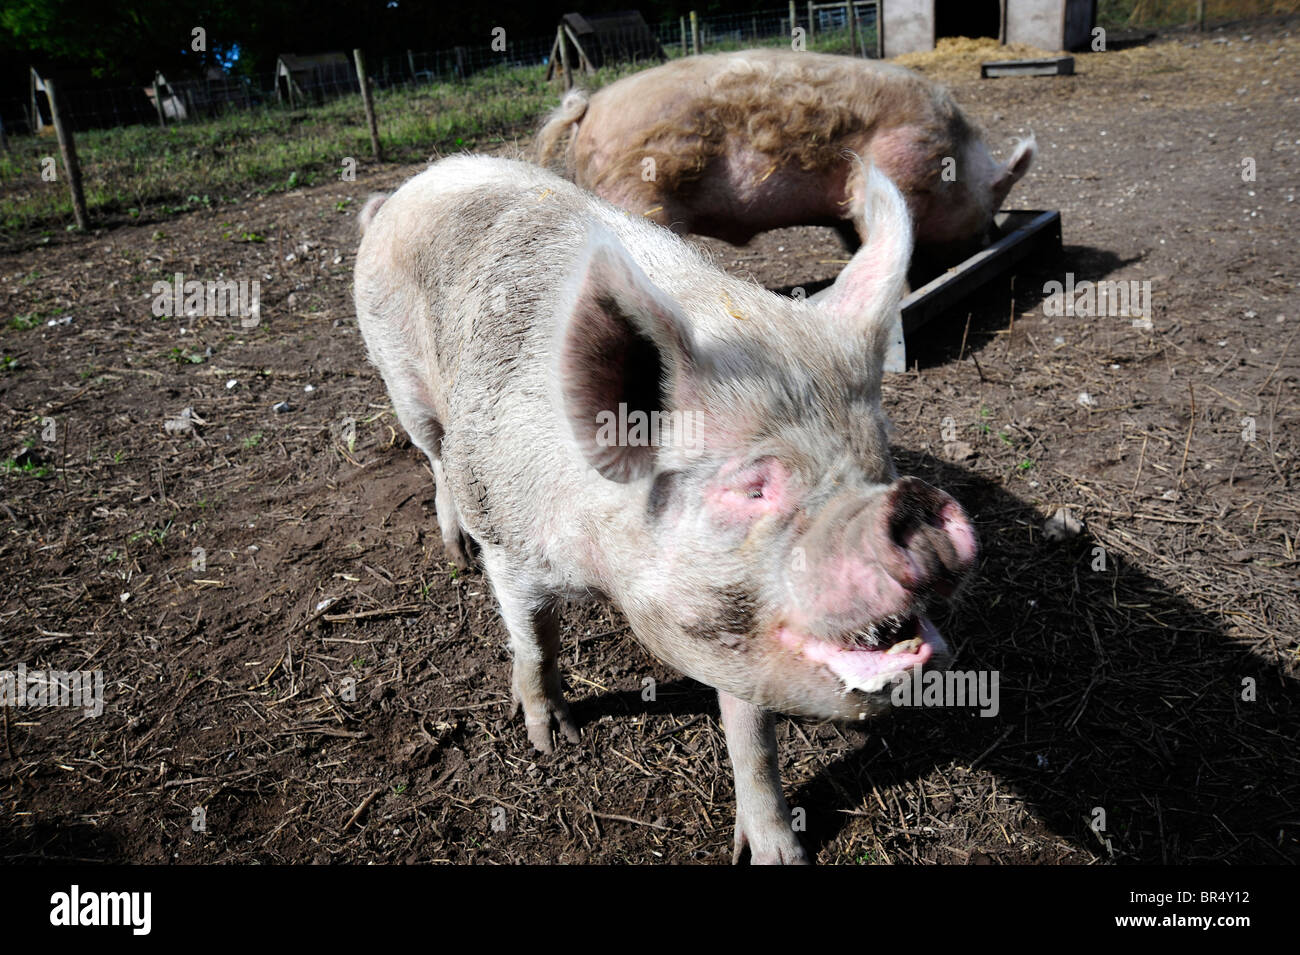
778, 847
458, 551
539, 730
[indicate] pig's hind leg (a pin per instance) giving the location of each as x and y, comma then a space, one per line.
533, 621
454, 539
426, 434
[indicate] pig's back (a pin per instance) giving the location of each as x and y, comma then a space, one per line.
461, 282
482, 249
790, 110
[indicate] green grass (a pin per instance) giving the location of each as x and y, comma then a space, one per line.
826, 41
141, 170
145, 171
26, 469
183, 356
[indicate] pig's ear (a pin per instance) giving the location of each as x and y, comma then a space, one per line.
865, 295
1015, 167
621, 341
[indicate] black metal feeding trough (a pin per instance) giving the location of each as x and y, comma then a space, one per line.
1017, 235
939, 288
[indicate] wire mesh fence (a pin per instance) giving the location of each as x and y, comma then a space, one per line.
187, 99
230, 135
827, 27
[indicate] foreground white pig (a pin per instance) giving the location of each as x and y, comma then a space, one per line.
764, 546
733, 144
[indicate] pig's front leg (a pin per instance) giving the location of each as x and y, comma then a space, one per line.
762, 816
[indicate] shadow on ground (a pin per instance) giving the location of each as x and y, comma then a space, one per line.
1120, 704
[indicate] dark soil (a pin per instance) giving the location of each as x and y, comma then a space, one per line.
1159, 692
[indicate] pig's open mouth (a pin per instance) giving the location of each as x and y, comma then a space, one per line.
869, 658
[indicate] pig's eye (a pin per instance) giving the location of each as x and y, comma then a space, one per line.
753, 486
760, 482
749, 491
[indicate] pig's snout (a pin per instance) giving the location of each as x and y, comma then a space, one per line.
881, 557
929, 542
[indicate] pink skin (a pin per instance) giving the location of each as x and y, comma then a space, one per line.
860, 668
850, 581
958, 528
742, 495
880, 577
884, 576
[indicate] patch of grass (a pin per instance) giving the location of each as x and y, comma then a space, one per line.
183, 356
24, 322
146, 170
26, 469
252, 441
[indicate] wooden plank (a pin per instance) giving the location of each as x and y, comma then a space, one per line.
1026, 233
158, 102
584, 61
560, 38
368, 103
1050, 66
551, 60
68, 148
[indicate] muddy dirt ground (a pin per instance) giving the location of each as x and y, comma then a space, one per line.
1153, 690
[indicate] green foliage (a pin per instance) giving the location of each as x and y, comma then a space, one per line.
26, 469
183, 356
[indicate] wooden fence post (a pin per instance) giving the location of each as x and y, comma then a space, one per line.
563, 43
793, 22
684, 47
810, 22
368, 103
1200, 15
68, 148
853, 28
695, 34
